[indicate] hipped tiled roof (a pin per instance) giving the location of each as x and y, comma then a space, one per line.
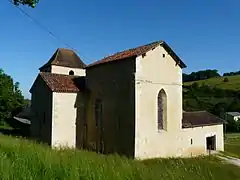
134, 52
200, 118
63, 83
66, 58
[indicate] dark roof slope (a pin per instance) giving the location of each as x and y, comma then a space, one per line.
63, 83
134, 52
66, 58
200, 118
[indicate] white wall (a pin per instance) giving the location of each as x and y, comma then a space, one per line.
199, 135
65, 70
179, 144
154, 72
64, 119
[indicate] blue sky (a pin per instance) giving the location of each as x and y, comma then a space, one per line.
205, 34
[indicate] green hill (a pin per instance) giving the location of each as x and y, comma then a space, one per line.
22, 159
215, 95
218, 82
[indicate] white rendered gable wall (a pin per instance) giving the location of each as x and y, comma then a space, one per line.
154, 72
66, 70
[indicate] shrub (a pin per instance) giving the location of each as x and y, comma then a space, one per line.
225, 80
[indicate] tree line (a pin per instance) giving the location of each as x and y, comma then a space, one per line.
205, 74
11, 98
232, 73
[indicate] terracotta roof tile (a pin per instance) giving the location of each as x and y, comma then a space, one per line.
66, 58
200, 118
62, 83
134, 52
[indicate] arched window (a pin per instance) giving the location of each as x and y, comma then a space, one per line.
71, 73
162, 110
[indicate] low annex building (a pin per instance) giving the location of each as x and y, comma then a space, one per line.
128, 103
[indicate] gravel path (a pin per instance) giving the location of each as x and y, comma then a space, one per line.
230, 160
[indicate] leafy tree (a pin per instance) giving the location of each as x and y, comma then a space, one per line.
31, 3
219, 109
11, 97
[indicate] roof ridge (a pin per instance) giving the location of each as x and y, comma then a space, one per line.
137, 51
130, 49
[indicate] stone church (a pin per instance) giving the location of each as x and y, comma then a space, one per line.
128, 103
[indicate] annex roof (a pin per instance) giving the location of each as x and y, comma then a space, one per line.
200, 118
63, 83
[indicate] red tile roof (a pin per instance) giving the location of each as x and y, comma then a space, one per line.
60, 83
66, 58
134, 52
200, 118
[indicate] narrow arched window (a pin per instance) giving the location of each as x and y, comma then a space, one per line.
162, 110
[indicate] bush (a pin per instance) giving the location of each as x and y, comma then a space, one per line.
226, 80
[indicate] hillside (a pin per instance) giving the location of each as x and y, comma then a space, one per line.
218, 82
215, 95
22, 158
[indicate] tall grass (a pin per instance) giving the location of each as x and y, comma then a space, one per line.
232, 144
21, 159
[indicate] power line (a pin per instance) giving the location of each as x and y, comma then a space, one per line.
155, 82
45, 29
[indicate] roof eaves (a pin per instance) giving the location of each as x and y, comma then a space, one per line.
201, 125
64, 91
173, 54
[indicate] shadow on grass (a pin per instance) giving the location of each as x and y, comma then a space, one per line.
15, 128
15, 132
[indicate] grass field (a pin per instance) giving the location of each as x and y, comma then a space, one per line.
232, 84
232, 145
21, 159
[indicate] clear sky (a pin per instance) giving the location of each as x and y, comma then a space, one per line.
205, 34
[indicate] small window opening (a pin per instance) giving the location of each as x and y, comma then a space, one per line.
163, 55
191, 141
71, 73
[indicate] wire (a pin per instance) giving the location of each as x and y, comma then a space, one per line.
46, 29
152, 82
